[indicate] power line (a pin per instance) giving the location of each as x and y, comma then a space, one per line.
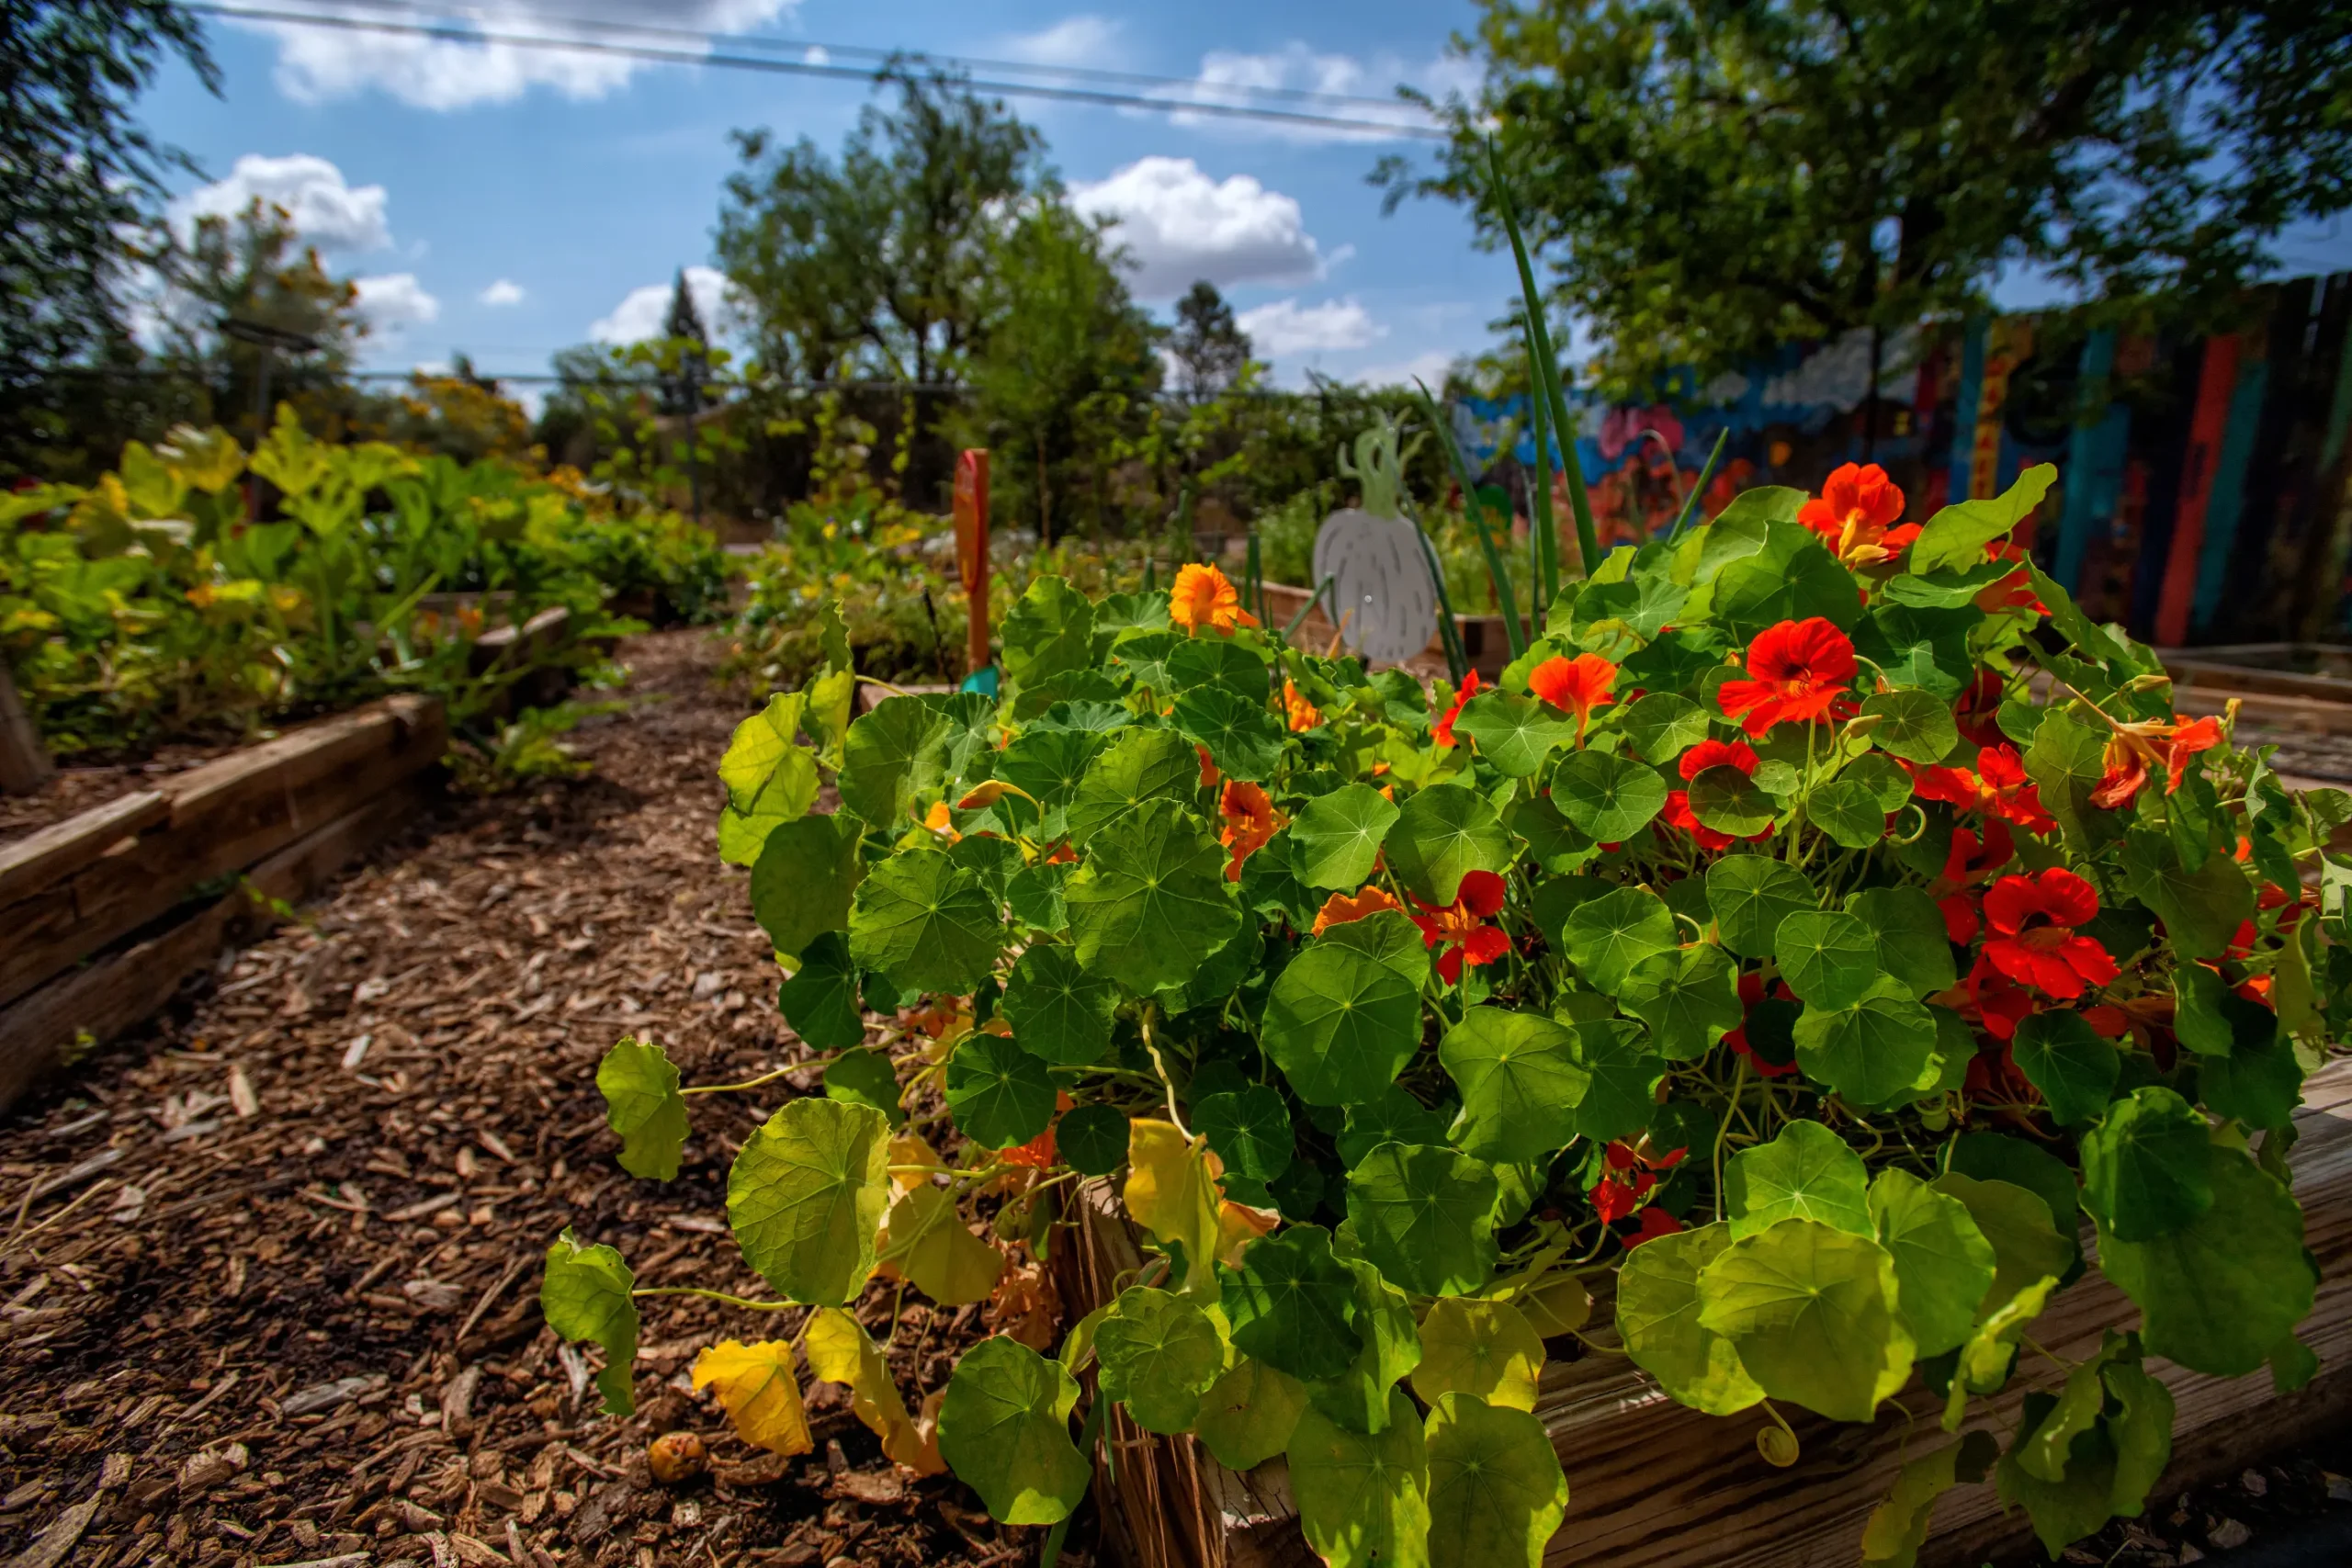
660, 56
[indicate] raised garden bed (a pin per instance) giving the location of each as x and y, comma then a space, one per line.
1484, 638
1654, 1484
2312, 671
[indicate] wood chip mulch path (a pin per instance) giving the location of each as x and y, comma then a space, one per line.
268, 1291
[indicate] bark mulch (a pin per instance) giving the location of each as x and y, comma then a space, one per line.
268, 1291
85, 782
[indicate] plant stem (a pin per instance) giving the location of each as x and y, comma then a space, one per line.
719, 1296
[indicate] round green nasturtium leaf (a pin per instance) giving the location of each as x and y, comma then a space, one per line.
1248, 1415
1244, 739
1944, 1263
999, 1094
1004, 1429
820, 1000
1196, 662
806, 1195
2259, 1082
585, 1295
1751, 895
1143, 765
1033, 893
1997, 1156
1048, 763
1521, 1083
1151, 903
1915, 726
1486, 1350
2027, 1246
1358, 1398
1609, 799
1250, 1130
1362, 1500
1657, 1317
1689, 999
2224, 1291
1293, 1305
1442, 833
1662, 726
1160, 1353
1092, 1139
1908, 932
2062, 1056
1811, 1309
1297, 1192
1880, 1051
890, 753
1495, 1489
1622, 1096
1059, 1013
1514, 733
1829, 959
803, 881
926, 922
1341, 1022
2148, 1166
1335, 838
1807, 1173
643, 1105
1395, 1117
1849, 812
1885, 779
1729, 801
864, 1077
1424, 1216
1607, 936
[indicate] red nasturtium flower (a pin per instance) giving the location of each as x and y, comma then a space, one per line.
1460, 929
1656, 1222
1575, 685
1966, 865
1998, 788
1442, 730
1203, 598
2033, 920
1340, 909
2133, 749
1856, 515
1798, 669
1631, 1175
1249, 820
1697, 760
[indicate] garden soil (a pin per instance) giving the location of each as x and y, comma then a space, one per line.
269, 1291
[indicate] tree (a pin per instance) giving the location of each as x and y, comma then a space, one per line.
1711, 177
80, 186
1209, 348
877, 260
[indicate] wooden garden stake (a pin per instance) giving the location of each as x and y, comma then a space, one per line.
972, 549
24, 760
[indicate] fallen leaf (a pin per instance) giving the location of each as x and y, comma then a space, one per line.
760, 1391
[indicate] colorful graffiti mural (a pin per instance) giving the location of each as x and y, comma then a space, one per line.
2205, 483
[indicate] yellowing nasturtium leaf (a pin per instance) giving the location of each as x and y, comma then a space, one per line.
1495, 1489
1248, 1415
643, 1105
1807, 1172
1899, 1527
586, 1297
806, 1197
1942, 1263
1152, 904
1004, 1429
924, 1238
1340, 1021
1293, 1305
761, 1395
1481, 1347
762, 746
1811, 1311
1158, 1353
1424, 1216
840, 1351
1521, 1083
2223, 1291
1170, 1194
1363, 1500
926, 922
1657, 1317
1443, 832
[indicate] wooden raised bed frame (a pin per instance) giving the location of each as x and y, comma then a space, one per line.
1483, 636
1652, 1484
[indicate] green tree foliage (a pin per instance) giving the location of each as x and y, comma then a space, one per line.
1717, 178
1209, 348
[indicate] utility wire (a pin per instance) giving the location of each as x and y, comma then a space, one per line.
455, 34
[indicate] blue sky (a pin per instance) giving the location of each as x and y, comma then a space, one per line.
508, 203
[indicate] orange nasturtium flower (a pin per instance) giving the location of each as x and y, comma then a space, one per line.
1304, 716
1249, 820
1442, 732
1340, 909
1797, 670
1575, 685
2133, 749
1856, 515
1203, 597
938, 820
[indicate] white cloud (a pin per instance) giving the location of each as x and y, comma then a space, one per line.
639, 315
395, 301
1430, 368
1229, 76
817, 54
1083, 40
1286, 327
1179, 225
325, 211
505, 292
316, 64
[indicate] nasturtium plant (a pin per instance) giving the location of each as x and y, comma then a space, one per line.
1808, 932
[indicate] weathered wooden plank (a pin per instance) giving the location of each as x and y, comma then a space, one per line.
32, 862
1653, 1484
40, 1032
24, 763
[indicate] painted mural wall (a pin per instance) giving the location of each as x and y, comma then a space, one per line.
2204, 484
